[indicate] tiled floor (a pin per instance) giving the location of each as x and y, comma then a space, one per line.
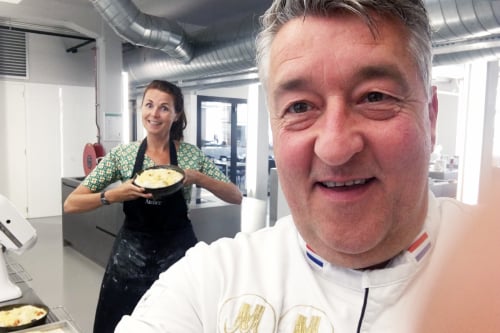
62, 277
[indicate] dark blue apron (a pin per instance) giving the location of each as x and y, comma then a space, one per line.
154, 236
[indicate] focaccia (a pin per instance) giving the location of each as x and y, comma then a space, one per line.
157, 178
21, 315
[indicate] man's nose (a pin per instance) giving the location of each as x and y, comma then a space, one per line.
340, 135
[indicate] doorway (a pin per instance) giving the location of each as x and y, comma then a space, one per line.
222, 134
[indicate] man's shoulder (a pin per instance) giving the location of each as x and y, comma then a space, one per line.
448, 217
452, 208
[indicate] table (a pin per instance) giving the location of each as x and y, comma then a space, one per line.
225, 167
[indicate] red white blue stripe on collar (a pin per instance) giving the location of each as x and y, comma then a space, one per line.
420, 246
313, 256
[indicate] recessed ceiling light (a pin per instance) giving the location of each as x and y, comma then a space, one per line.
12, 1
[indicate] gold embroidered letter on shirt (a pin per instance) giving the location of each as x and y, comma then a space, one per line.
301, 325
247, 322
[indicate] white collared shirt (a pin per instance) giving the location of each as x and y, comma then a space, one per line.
269, 281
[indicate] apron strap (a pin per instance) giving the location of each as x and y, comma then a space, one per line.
139, 159
173, 153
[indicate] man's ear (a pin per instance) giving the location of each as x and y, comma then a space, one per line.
433, 113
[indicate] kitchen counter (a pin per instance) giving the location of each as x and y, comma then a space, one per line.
93, 233
443, 183
29, 296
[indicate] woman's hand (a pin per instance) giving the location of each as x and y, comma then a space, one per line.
125, 192
191, 177
83, 200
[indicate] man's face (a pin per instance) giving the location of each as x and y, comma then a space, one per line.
353, 131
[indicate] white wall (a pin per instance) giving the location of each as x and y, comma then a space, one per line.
447, 122
77, 126
13, 144
54, 110
48, 56
38, 152
230, 92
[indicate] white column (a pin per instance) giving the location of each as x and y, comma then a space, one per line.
487, 163
475, 123
109, 87
257, 144
190, 107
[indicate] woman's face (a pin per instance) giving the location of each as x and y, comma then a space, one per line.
158, 112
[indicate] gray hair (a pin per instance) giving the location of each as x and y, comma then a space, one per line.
411, 13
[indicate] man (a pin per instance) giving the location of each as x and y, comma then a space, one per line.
353, 116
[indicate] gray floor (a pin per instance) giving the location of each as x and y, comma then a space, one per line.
64, 279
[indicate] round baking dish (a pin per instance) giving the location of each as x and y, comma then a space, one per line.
34, 322
162, 192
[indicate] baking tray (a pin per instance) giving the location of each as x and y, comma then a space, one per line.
62, 325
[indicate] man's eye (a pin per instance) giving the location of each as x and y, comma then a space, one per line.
299, 107
375, 97
379, 106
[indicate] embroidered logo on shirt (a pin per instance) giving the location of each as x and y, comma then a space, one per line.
305, 319
253, 314
247, 314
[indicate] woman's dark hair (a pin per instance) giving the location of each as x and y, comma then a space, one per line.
176, 132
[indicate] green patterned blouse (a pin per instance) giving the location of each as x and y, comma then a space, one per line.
119, 164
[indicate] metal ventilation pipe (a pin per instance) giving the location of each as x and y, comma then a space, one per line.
466, 56
145, 30
230, 48
461, 52
455, 20
221, 49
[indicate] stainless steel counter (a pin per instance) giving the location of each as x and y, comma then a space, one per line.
18, 276
93, 233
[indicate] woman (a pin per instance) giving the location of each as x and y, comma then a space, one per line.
155, 234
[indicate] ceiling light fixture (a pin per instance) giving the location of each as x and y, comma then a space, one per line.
15, 2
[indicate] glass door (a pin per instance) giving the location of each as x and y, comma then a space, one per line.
222, 132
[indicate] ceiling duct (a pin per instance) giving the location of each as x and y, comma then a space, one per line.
487, 49
459, 20
229, 48
464, 57
145, 30
464, 30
